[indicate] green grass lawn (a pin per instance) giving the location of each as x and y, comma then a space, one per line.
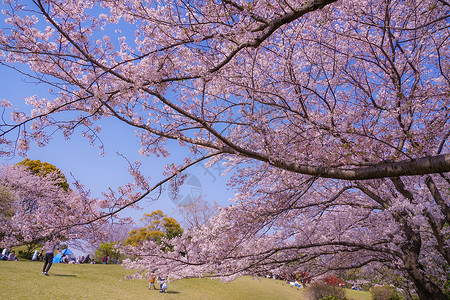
23, 280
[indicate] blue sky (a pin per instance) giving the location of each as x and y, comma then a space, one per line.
97, 172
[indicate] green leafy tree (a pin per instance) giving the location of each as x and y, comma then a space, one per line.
43, 168
107, 248
158, 226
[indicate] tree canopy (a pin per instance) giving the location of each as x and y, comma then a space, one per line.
107, 248
333, 117
159, 227
44, 168
36, 209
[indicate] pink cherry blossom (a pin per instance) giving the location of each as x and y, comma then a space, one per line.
331, 116
39, 209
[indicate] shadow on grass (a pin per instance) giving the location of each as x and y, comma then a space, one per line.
64, 275
171, 292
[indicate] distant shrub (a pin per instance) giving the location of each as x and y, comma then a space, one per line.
384, 293
323, 291
24, 255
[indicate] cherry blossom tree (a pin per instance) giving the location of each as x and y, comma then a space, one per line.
332, 115
43, 168
6, 208
320, 228
196, 212
39, 209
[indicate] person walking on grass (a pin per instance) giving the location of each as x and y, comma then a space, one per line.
49, 249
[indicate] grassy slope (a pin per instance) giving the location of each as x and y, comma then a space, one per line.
23, 280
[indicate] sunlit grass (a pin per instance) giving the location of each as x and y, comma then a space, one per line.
358, 295
23, 280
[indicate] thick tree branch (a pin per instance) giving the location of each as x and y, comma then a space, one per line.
410, 167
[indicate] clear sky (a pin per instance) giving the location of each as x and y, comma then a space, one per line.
76, 156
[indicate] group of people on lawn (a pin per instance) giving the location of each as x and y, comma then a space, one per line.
160, 279
6, 255
49, 250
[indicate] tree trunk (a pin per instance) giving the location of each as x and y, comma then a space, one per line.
424, 287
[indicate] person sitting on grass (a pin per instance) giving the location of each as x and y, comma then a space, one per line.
12, 256
105, 259
87, 260
35, 255
5, 254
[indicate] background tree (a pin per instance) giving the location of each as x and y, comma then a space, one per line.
117, 232
6, 209
332, 114
196, 212
107, 248
42, 210
159, 227
43, 169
